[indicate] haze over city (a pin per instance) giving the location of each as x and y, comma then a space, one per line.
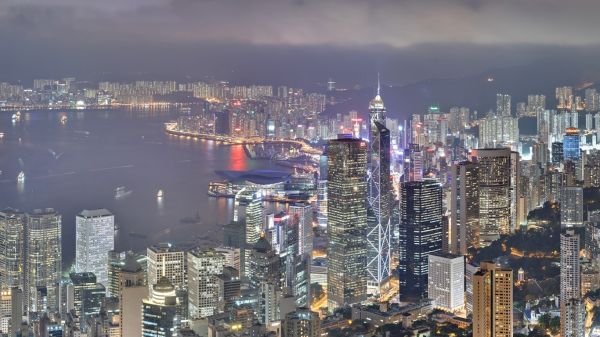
299, 168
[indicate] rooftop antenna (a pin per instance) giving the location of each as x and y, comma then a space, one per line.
378, 84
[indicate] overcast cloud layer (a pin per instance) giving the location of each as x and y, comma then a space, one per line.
70, 31
397, 23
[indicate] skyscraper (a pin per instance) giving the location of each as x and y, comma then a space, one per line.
495, 131
347, 216
571, 308
571, 206
159, 311
492, 301
43, 259
571, 150
464, 209
204, 268
12, 248
420, 234
557, 153
494, 193
87, 296
166, 260
322, 192
503, 105
301, 216
446, 281
379, 228
95, 237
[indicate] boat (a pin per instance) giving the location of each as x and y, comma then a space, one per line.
1, 135
121, 192
63, 120
21, 177
16, 117
160, 194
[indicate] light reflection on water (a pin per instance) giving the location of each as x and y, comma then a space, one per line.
102, 150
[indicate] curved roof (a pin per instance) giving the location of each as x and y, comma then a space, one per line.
261, 177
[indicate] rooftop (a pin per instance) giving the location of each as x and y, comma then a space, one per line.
94, 213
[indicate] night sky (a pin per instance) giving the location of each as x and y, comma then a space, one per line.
289, 40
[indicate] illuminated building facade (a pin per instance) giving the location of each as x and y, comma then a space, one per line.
95, 237
12, 248
492, 301
43, 260
464, 209
420, 234
379, 198
159, 311
494, 193
571, 307
347, 216
204, 268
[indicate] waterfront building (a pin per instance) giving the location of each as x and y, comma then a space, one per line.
159, 311
420, 234
379, 197
492, 301
446, 281
204, 268
12, 248
347, 216
94, 238
43, 259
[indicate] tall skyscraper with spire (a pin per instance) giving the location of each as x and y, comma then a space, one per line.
379, 231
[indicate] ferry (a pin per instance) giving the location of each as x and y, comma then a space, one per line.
21, 177
160, 194
16, 117
121, 192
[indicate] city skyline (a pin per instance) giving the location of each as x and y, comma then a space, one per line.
199, 168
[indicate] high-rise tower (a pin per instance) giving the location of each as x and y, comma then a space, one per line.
347, 222
379, 230
492, 301
571, 307
95, 237
43, 259
420, 234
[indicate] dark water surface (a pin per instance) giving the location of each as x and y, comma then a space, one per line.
78, 165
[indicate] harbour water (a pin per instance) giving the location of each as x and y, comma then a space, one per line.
75, 160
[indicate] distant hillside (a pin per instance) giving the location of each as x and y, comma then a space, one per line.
475, 92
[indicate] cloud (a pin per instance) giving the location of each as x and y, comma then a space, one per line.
396, 23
